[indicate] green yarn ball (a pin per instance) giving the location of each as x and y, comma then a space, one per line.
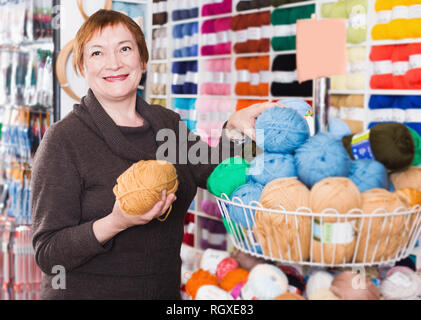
417, 142
228, 176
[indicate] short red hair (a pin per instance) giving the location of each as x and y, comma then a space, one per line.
97, 22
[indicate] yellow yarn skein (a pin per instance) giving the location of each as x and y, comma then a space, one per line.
414, 21
140, 186
382, 5
398, 26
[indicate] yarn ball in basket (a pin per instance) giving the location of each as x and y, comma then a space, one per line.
233, 278
318, 280
296, 283
409, 178
284, 130
198, 279
321, 156
368, 174
323, 294
270, 166
245, 260
409, 196
140, 187
349, 285
284, 235
265, 282
391, 144
417, 142
212, 292
228, 176
225, 266
401, 283
341, 195
380, 233
289, 296
211, 258
246, 193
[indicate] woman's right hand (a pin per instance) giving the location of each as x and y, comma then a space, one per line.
117, 221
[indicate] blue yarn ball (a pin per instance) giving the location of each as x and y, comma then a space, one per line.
321, 156
270, 166
298, 105
338, 128
247, 192
284, 130
368, 174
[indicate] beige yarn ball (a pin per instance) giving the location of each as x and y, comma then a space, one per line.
140, 187
323, 294
376, 234
341, 194
410, 178
283, 235
349, 285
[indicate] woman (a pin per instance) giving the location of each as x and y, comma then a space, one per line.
77, 223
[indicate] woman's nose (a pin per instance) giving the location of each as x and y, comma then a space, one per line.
113, 61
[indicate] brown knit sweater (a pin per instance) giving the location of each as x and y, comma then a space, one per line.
74, 172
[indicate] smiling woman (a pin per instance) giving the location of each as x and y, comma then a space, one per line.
78, 223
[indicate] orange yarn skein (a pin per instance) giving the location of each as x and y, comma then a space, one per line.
198, 279
140, 186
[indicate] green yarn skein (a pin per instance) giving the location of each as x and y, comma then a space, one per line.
417, 143
228, 176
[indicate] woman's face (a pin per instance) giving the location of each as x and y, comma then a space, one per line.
112, 65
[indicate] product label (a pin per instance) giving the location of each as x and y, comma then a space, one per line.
412, 115
210, 39
400, 68
400, 279
222, 37
163, 78
351, 113
398, 115
204, 116
155, 77
339, 233
254, 79
253, 33
266, 32
360, 66
285, 76
415, 61
243, 76
282, 31
400, 12
155, 7
384, 16
178, 79
241, 36
381, 115
360, 146
162, 6
192, 77
264, 76
383, 67
293, 28
414, 11
357, 20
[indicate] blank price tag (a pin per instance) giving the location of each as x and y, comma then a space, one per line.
321, 48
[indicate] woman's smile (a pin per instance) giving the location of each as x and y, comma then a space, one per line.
120, 77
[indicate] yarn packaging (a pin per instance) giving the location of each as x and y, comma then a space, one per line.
401, 283
140, 187
284, 235
334, 238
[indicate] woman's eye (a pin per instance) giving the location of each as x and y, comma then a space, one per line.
126, 49
95, 53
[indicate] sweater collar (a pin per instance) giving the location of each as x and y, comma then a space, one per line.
110, 132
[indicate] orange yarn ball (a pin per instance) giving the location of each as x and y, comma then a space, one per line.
233, 278
200, 278
409, 196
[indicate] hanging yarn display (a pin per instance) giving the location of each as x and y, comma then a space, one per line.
265, 282
349, 285
270, 166
321, 156
282, 235
409, 178
334, 195
284, 130
380, 238
401, 283
368, 174
198, 279
246, 193
140, 186
389, 143
228, 176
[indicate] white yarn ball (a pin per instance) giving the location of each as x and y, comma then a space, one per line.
211, 292
401, 283
318, 280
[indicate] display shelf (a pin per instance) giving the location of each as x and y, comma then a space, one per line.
204, 215
393, 42
378, 91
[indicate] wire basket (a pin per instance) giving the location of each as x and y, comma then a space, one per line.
328, 239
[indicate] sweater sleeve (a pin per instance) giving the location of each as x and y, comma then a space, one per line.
201, 158
59, 236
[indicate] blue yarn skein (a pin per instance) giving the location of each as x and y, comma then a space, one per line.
247, 192
185, 31
298, 105
368, 174
178, 70
321, 156
270, 166
284, 130
338, 128
194, 49
381, 102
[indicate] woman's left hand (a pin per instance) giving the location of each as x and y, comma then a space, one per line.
244, 120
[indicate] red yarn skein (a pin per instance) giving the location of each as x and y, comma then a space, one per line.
400, 62
413, 76
383, 70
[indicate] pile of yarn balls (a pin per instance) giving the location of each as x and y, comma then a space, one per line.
289, 151
240, 276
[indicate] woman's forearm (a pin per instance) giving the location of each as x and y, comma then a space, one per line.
106, 228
